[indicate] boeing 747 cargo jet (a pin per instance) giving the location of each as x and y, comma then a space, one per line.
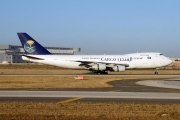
98, 64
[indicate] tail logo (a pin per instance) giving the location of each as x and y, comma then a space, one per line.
28, 46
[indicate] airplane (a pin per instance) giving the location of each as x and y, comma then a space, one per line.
98, 64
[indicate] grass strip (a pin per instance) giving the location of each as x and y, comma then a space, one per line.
89, 111
58, 82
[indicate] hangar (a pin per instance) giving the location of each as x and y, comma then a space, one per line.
12, 53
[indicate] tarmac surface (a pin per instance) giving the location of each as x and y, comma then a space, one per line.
136, 91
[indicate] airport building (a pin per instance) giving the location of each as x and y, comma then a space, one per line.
12, 53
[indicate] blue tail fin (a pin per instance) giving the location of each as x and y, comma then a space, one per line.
31, 46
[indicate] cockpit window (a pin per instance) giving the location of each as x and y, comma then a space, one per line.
160, 54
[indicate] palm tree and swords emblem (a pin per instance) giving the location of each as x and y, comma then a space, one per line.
28, 46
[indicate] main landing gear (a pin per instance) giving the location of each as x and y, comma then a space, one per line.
100, 72
156, 71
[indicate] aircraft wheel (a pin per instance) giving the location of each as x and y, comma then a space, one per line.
95, 72
156, 73
103, 72
106, 73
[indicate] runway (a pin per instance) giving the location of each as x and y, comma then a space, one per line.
136, 91
90, 94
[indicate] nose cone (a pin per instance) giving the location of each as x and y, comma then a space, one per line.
163, 61
168, 61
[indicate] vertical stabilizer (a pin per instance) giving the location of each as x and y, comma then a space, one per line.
31, 46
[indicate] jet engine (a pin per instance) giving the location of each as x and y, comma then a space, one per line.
118, 68
99, 66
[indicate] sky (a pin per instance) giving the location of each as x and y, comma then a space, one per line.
95, 26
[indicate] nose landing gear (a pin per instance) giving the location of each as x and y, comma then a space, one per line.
156, 71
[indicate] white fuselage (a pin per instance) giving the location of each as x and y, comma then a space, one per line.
135, 60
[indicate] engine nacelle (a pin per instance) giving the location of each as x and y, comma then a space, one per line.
99, 66
119, 68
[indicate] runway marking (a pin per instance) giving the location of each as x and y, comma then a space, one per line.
70, 100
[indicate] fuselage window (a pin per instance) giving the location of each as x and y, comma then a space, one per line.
160, 54
148, 57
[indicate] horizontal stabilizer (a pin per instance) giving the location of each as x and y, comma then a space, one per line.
31, 57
